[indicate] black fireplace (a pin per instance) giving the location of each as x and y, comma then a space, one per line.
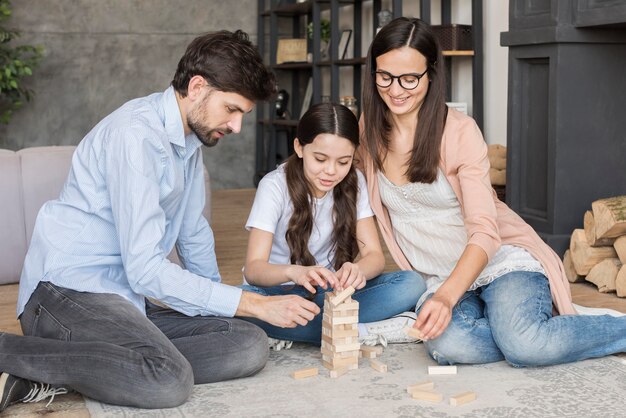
566, 111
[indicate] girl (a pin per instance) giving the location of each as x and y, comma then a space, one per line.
492, 282
309, 222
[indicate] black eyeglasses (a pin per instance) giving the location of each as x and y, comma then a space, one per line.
406, 81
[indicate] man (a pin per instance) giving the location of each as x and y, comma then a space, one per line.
136, 189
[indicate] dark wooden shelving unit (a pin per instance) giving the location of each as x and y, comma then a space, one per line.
273, 15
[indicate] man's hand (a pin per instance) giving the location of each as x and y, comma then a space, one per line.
350, 275
311, 276
286, 311
434, 317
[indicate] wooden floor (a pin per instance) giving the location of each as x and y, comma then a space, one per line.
230, 211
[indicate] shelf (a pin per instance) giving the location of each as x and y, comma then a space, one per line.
351, 61
290, 9
293, 66
279, 122
330, 77
457, 53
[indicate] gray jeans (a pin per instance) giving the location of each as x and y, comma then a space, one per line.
101, 346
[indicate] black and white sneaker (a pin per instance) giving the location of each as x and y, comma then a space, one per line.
15, 389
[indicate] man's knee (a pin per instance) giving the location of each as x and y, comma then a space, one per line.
256, 347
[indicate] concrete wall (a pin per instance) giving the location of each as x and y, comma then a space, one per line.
99, 54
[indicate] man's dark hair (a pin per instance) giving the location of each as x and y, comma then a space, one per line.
229, 63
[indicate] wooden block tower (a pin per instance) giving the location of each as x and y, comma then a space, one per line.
340, 333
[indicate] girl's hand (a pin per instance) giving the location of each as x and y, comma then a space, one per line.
434, 317
311, 276
350, 275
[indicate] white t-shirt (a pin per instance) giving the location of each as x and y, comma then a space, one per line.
272, 210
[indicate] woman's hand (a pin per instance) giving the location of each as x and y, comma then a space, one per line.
434, 317
350, 275
311, 276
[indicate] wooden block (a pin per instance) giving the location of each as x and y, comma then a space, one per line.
604, 274
424, 395
341, 320
441, 369
336, 361
413, 332
462, 398
333, 340
345, 306
378, 365
340, 333
341, 296
370, 352
338, 372
349, 366
302, 373
425, 385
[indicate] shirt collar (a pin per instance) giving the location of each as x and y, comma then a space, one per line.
185, 146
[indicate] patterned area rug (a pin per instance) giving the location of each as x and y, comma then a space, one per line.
592, 388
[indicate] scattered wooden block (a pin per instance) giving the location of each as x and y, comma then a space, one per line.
378, 365
302, 373
338, 372
462, 398
341, 296
426, 385
370, 352
413, 332
441, 369
424, 395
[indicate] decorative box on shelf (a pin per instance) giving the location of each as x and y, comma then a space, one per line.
454, 37
291, 50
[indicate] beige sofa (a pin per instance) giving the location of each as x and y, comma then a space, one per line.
29, 178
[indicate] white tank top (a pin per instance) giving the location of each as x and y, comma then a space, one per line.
428, 226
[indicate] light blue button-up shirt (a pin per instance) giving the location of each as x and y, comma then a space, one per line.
135, 189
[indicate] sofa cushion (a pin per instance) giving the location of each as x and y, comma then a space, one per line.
12, 227
44, 171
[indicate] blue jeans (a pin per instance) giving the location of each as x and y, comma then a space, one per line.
102, 346
511, 319
382, 297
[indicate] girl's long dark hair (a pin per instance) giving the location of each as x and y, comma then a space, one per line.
425, 154
323, 118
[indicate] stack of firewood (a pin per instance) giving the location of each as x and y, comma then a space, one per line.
597, 253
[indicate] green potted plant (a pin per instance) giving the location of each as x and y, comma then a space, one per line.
324, 35
16, 62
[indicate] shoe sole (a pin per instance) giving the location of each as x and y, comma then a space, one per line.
3, 382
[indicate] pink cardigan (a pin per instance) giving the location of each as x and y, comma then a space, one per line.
489, 222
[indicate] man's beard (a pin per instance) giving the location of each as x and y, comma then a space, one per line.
203, 132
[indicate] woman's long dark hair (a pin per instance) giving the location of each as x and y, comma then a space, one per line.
425, 154
323, 118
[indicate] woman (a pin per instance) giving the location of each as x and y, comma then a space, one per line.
492, 282
308, 224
